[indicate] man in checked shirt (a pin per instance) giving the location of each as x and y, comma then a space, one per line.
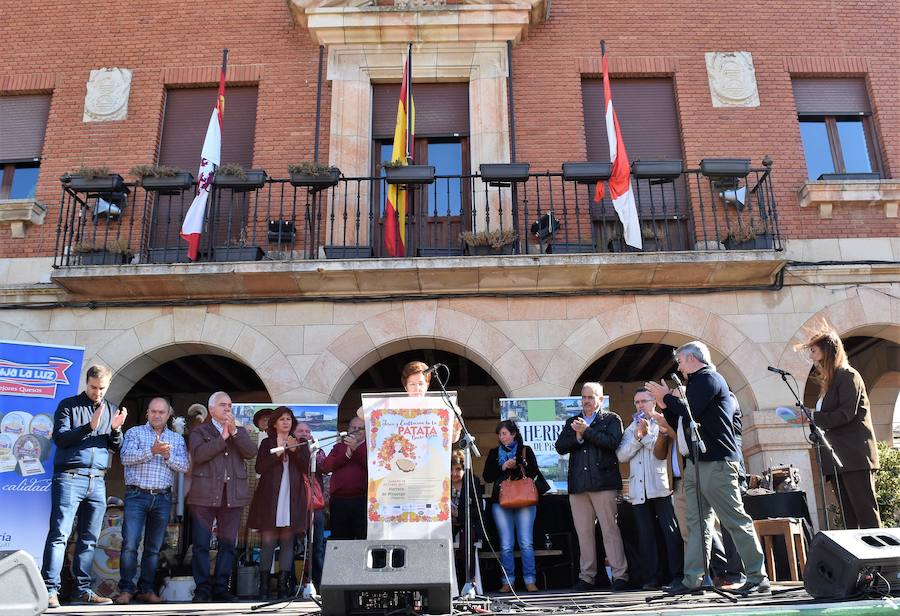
151, 454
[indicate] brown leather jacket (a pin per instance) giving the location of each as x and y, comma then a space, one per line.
215, 463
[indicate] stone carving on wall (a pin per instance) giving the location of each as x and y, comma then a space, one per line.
107, 95
732, 79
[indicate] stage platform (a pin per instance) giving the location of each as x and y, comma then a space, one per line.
788, 599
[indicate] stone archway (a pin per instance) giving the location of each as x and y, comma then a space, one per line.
418, 323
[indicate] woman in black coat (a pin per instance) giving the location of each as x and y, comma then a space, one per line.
280, 506
512, 459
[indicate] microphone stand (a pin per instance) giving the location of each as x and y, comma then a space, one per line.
818, 440
698, 447
308, 590
467, 445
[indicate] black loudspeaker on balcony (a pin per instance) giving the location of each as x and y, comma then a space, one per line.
380, 577
845, 563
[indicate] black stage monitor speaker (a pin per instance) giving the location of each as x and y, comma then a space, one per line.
844, 563
377, 577
22, 591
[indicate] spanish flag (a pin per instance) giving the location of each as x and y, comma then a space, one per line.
402, 154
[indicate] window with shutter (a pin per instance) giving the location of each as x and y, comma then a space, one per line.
836, 127
184, 127
23, 122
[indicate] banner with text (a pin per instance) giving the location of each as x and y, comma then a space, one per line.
408, 440
33, 380
540, 420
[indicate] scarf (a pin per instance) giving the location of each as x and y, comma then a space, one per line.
507, 453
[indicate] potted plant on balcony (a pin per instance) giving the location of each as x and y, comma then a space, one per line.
752, 236
238, 179
657, 169
313, 175
494, 242
651, 241
238, 250
161, 179
725, 167
396, 172
116, 252
95, 180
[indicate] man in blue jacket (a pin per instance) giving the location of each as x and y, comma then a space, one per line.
713, 409
87, 429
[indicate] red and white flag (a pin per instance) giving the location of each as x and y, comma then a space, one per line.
620, 178
210, 157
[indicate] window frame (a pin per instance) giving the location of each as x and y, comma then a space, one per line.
834, 139
9, 170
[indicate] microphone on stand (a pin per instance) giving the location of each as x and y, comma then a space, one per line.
695, 433
779, 371
301, 443
434, 369
674, 377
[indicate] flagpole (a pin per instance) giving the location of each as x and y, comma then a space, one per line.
409, 133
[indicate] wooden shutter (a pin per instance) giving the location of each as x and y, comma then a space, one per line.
831, 96
442, 109
187, 117
647, 117
23, 121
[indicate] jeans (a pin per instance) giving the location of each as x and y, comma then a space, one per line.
70, 495
147, 515
512, 523
229, 522
652, 513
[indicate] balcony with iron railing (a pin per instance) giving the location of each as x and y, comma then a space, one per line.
724, 211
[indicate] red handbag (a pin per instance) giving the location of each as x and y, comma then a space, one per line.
318, 499
518, 493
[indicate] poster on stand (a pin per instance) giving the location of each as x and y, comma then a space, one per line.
409, 441
33, 380
540, 420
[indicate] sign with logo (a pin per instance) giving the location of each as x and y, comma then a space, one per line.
34, 378
540, 420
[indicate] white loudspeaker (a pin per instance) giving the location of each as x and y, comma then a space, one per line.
22, 591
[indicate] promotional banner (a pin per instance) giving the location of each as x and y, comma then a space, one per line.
409, 441
33, 379
321, 419
540, 420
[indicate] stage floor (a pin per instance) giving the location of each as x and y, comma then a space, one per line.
788, 599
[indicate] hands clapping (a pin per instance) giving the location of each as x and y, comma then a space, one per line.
161, 447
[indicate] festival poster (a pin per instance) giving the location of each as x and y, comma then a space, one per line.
33, 380
540, 421
409, 441
321, 418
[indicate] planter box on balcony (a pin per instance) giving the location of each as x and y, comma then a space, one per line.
725, 167
237, 253
760, 242
254, 180
349, 252
657, 169
481, 251
504, 172
565, 248
833, 177
104, 257
171, 254
586, 173
169, 185
439, 251
103, 185
618, 244
316, 182
410, 174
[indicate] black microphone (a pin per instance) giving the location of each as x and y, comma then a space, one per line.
779, 371
434, 369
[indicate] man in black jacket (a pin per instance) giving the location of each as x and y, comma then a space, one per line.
713, 410
87, 430
591, 439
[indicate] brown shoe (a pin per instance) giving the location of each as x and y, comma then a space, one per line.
52, 601
505, 588
124, 598
531, 587
92, 598
148, 597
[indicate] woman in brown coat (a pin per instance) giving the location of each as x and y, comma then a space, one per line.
280, 507
843, 412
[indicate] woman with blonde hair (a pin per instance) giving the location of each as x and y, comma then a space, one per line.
843, 411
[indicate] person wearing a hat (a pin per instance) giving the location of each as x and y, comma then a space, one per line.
261, 419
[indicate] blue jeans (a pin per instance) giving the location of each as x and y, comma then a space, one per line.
147, 515
70, 495
513, 523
